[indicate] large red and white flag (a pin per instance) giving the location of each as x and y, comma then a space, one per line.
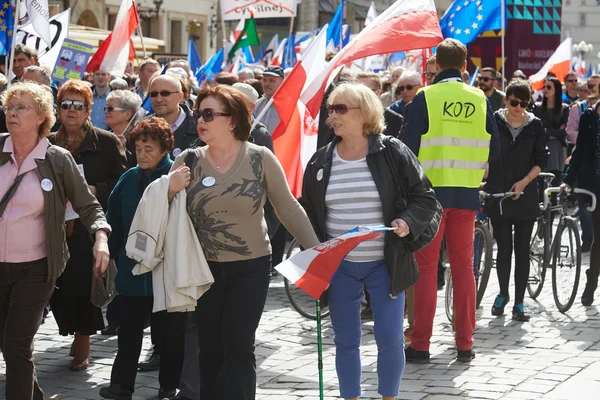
117, 49
559, 63
405, 25
311, 270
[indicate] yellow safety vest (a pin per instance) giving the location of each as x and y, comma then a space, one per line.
455, 150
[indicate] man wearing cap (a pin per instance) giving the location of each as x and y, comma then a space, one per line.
272, 79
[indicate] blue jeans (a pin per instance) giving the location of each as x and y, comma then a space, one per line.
345, 294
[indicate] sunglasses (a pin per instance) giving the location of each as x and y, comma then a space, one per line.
570, 80
548, 87
163, 93
514, 103
340, 109
592, 87
430, 75
208, 114
407, 87
76, 104
485, 79
111, 109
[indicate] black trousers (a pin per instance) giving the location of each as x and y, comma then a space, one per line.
134, 313
504, 239
595, 250
227, 317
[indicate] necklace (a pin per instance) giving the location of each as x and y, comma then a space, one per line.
224, 161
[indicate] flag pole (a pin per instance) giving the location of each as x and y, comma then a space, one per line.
16, 8
140, 34
291, 26
503, 17
319, 349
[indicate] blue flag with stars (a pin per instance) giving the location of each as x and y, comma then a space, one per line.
466, 19
7, 27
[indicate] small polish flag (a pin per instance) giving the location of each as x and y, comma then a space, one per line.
559, 63
311, 270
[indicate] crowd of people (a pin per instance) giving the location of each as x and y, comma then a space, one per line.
194, 191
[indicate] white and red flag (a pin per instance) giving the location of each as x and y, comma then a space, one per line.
235, 34
278, 56
559, 63
117, 49
311, 270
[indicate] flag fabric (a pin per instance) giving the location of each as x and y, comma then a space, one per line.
334, 30
193, 57
559, 63
346, 32
239, 28
279, 55
311, 270
466, 19
589, 72
271, 49
115, 51
211, 68
289, 60
371, 15
38, 14
474, 77
7, 27
405, 25
248, 37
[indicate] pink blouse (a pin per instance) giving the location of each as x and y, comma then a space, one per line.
22, 234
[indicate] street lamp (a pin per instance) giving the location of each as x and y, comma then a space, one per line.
151, 13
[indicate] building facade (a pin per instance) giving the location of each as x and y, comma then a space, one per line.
581, 21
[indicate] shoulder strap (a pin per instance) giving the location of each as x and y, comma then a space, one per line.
10, 193
190, 161
392, 164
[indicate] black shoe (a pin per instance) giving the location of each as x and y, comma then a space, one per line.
416, 356
587, 298
115, 392
181, 397
151, 364
586, 247
167, 394
274, 272
110, 330
518, 313
499, 304
465, 356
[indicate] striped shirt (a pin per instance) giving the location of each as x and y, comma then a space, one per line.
352, 199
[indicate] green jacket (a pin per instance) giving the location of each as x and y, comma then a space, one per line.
60, 168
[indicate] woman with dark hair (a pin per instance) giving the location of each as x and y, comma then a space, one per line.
228, 182
523, 156
554, 115
101, 159
152, 140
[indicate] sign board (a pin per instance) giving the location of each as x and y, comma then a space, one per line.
238, 9
72, 60
165, 58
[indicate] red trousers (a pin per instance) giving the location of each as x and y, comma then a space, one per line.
458, 227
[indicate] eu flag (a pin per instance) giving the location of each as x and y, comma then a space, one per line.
7, 27
467, 19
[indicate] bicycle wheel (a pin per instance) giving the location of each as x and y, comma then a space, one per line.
566, 264
537, 272
301, 302
483, 258
448, 303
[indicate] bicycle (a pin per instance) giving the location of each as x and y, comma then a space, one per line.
560, 252
483, 253
300, 301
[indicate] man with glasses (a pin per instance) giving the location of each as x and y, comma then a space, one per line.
429, 71
570, 94
408, 84
487, 79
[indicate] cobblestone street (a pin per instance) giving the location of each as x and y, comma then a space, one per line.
554, 356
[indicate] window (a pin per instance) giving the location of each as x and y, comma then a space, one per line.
582, 19
176, 27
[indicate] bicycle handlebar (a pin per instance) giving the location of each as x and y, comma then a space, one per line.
485, 195
546, 175
592, 195
550, 190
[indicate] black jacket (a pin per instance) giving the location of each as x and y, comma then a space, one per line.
517, 157
554, 124
186, 134
582, 167
416, 211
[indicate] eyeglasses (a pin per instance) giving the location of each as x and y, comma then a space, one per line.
548, 87
429, 75
163, 93
340, 109
407, 87
570, 80
19, 108
485, 79
514, 103
592, 87
208, 114
76, 104
111, 109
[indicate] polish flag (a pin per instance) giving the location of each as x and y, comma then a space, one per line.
311, 270
405, 25
235, 34
117, 49
295, 138
278, 56
558, 63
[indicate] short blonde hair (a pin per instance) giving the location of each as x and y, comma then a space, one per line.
371, 109
43, 102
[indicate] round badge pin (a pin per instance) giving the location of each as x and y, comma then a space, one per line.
208, 181
47, 185
176, 151
320, 174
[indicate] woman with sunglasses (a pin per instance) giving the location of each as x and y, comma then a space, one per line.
121, 113
101, 159
351, 182
523, 156
554, 115
228, 182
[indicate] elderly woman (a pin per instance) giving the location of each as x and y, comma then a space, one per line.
152, 140
351, 182
407, 87
101, 159
35, 181
523, 156
228, 182
121, 113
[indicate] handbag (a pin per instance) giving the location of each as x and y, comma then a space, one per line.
431, 230
103, 289
10, 193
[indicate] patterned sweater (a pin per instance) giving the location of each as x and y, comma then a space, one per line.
227, 208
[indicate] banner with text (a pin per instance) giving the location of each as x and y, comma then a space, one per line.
238, 9
73, 60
